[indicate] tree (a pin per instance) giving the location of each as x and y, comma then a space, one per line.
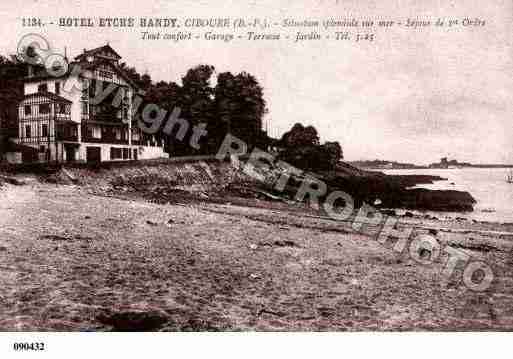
236, 105
302, 150
196, 101
335, 151
240, 107
197, 95
166, 96
12, 72
144, 81
300, 136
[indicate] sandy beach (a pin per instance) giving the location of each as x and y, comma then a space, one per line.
76, 260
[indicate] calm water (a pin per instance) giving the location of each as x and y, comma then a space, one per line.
488, 186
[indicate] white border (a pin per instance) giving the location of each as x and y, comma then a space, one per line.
260, 345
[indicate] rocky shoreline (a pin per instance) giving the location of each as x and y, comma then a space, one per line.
393, 191
390, 191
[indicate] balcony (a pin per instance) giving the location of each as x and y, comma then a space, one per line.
107, 119
106, 113
107, 134
66, 131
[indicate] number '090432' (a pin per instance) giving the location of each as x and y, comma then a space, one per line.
29, 346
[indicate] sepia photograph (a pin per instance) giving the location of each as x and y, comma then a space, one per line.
293, 167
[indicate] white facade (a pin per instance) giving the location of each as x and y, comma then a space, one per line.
67, 118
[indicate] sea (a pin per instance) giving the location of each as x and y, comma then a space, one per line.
488, 186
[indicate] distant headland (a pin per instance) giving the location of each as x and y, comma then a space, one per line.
450, 164
444, 163
382, 164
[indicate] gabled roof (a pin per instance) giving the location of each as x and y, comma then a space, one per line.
98, 50
41, 74
115, 68
49, 95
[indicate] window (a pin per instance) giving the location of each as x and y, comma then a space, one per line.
59, 131
84, 99
94, 132
85, 89
57, 88
28, 110
91, 89
115, 153
28, 133
126, 153
44, 108
135, 136
44, 130
62, 109
42, 88
106, 74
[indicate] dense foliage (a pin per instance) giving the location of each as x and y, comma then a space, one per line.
235, 104
302, 149
12, 72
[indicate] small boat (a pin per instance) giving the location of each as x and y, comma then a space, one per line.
509, 177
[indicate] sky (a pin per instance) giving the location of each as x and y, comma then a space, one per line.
411, 95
